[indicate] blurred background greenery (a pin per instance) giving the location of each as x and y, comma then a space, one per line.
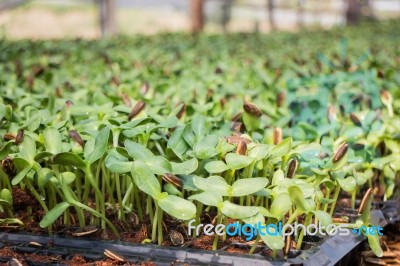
42, 19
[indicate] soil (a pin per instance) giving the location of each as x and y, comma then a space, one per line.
27, 210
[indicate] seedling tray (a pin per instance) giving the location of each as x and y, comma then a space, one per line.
331, 251
334, 250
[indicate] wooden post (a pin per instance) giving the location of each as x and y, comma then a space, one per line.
300, 13
197, 15
353, 12
107, 17
270, 9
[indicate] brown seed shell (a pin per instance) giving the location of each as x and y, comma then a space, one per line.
172, 179
385, 95
237, 117
331, 113
241, 148
292, 168
340, 220
125, 98
115, 81
355, 119
375, 261
8, 167
15, 262
280, 98
288, 244
139, 106
389, 254
87, 230
144, 88
252, 109
59, 92
20, 137
237, 127
76, 137
340, 152
68, 103
365, 199
277, 135
114, 256
181, 112
236, 140
176, 238
35, 244
8, 136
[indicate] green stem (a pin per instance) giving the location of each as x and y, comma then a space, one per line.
121, 214
100, 198
293, 216
216, 237
306, 224
253, 247
154, 229
335, 197
159, 222
353, 198
36, 195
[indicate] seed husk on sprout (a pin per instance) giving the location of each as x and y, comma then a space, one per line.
341, 151
277, 135
8, 137
139, 106
280, 98
20, 137
355, 119
252, 109
365, 199
172, 179
241, 148
292, 168
76, 137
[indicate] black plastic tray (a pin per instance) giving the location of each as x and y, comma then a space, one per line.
329, 252
334, 250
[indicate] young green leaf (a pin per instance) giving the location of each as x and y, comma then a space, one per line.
282, 148
374, 243
281, 205
214, 167
235, 161
27, 149
100, 147
177, 143
137, 151
248, 186
145, 180
18, 178
6, 197
273, 240
278, 177
260, 151
177, 207
185, 168
53, 214
68, 159
213, 183
158, 165
297, 198
348, 184
238, 212
52, 140
324, 218
207, 198
117, 163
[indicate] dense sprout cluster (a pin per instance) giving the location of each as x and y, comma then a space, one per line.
255, 128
